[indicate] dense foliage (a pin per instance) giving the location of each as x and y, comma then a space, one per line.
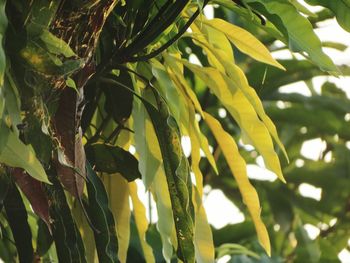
97, 94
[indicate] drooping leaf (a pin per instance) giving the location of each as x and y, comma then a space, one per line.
244, 41
117, 189
242, 111
18, 220
118, 100
112, 159
34, 192
340, 8
4, 187
165, 224
297, 29
203, 237
239, 170
71, 164
3, 26
44, 239
146, 144
68, 241
177, 174
101, 218
141, 223
17, 154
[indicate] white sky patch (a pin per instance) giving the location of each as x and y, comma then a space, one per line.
312, 231
344, 256
222, 113
299, 163
308, 190
186, 145
312, 149
144, 197
259, 173
340, 82
297, 87
224, 259
194, 59
132, 149
209, 11
220, 210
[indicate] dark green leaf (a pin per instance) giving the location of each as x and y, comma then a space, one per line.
112, 159
69, 244
18, 221
177, 174
4, 186
44, 239
101, 218
3, 26
118, 100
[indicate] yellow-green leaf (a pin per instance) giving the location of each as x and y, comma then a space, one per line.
17, 154
118, 192
146, 144
239, 170
165, 224
242, 111
244, 41
141, 222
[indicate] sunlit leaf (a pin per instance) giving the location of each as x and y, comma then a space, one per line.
239, 170
244, 41
141, 223
117, 189
242, 111
17, 154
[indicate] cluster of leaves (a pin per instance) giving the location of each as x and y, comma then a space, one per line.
83, 82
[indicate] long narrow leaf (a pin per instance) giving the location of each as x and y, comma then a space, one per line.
239, 170
102, 219
68, 241
18, 221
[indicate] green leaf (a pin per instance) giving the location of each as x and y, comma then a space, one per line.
297, 29
68, 241
56, 45
112, 159
17, 154
141, 222
118, 100
101, 218
3, 26
307, 249
177, 174
44, 239
18, 220
146, 144
4, 187
341, 9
